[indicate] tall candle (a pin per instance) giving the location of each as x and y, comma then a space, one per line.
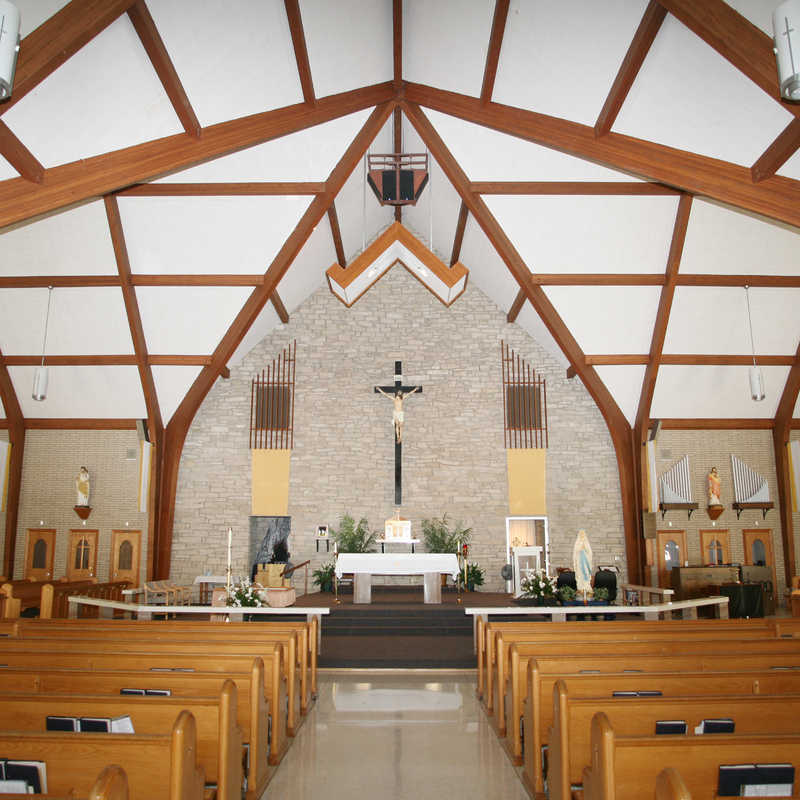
230, 541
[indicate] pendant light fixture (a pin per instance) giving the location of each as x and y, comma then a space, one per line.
40, 376
785, 25
756, 377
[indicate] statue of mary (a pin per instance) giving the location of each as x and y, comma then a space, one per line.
582, 562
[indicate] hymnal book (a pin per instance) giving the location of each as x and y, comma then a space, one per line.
53, 723
121, 724
132, 691
631, 670
171, 669
158, 692
671, 726
32, 772
650, 693
15, 787
715, 726
624, 694
756, 780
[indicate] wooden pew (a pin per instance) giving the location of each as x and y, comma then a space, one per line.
569, 741
170, 630
111, 784
670, 786
253, 711
159, 766
29, 593
219, 739
539, 713
54, 596
511, 683
633, 630
621, 766
126, 654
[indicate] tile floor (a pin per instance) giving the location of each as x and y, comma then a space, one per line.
393, 735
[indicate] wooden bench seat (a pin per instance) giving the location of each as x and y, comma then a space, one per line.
219, 739
538, 718
159, 766
621, 766
569, 741
263, 732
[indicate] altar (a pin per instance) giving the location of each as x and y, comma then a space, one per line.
364, 565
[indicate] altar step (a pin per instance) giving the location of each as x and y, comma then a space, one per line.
369, 622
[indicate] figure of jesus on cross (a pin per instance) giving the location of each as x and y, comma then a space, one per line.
397, 415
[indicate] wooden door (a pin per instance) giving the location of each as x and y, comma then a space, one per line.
758, 549
125, 550
671, 547
40, 553
715, 546
82, 555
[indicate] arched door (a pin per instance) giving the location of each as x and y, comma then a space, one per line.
39, 554
82, 555
715, 546
125, 550
758, 549
671, 547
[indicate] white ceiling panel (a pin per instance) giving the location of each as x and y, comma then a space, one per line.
486, 155
6, 170
722, 240
34, 12
307, 272
791, 169
486, 269
188, 320
433, 33
687, 96
562, 233
247, 64
561, 58
714, 392
608, 319
172, 383
713, 319
207, 235
531, 322
759, 12
80, 392
344, 57
83, 321
98, 109
625, 385
265, 322
71, 242
308, 155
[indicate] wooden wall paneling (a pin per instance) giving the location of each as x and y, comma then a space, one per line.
300, 50
493, 51
617, 424
631, 64
96, 176
15, 152
175, 432
775, 197
151, 40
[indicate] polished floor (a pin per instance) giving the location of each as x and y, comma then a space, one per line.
393, 735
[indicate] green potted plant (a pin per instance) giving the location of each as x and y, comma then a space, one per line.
352, 538
600, 596
538, 589
323, 577
474, 577
567, 595
439, 538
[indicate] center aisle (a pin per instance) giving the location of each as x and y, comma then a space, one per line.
417, 735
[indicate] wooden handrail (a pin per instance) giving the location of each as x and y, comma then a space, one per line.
287, 572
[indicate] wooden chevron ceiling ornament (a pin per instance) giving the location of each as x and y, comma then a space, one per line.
397, 245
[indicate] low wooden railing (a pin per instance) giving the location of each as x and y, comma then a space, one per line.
287, 572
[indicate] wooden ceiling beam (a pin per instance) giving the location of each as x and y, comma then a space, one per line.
398, 148
597, 279
178, 427
151, 40
139, 279
154, 421
778, 153
110, 360
689, 359
19, 156
44, 281
458, 238
516, 307
300, 50
618, 426
57, 39
775, 197
263, 188
572, 187
735, 38
15, 424
397, 43
99, 175
760, 281
493, 51
662, 317
336, 233
280, 308
80, 424
716, 424
639, 48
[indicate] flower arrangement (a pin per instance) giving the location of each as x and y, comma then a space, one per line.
245, 594
538, 585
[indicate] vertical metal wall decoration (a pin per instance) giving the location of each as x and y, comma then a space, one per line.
524, 402
272, 404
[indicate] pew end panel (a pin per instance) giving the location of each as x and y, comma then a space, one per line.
111, 784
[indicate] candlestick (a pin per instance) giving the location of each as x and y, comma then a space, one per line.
230, 542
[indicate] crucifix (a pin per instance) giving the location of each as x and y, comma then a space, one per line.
398, 393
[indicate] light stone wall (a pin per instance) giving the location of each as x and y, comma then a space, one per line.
713, 448
51, 463
343, 459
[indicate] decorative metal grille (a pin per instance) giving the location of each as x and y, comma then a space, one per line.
272, 404
524, 402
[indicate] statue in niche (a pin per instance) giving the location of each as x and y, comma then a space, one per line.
82, 487
397, 414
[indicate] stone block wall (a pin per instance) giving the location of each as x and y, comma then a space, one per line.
713, 448
343, 459
51, 463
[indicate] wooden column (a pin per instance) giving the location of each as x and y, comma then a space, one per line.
16, 435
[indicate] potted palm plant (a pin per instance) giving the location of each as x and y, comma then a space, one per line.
352, 538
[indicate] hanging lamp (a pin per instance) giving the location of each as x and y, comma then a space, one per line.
756, 376
40, 377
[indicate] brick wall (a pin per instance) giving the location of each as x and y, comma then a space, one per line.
453, 451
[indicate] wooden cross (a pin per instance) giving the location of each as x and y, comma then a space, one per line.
395, 391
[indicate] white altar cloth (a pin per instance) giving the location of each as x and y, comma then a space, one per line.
396, 564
